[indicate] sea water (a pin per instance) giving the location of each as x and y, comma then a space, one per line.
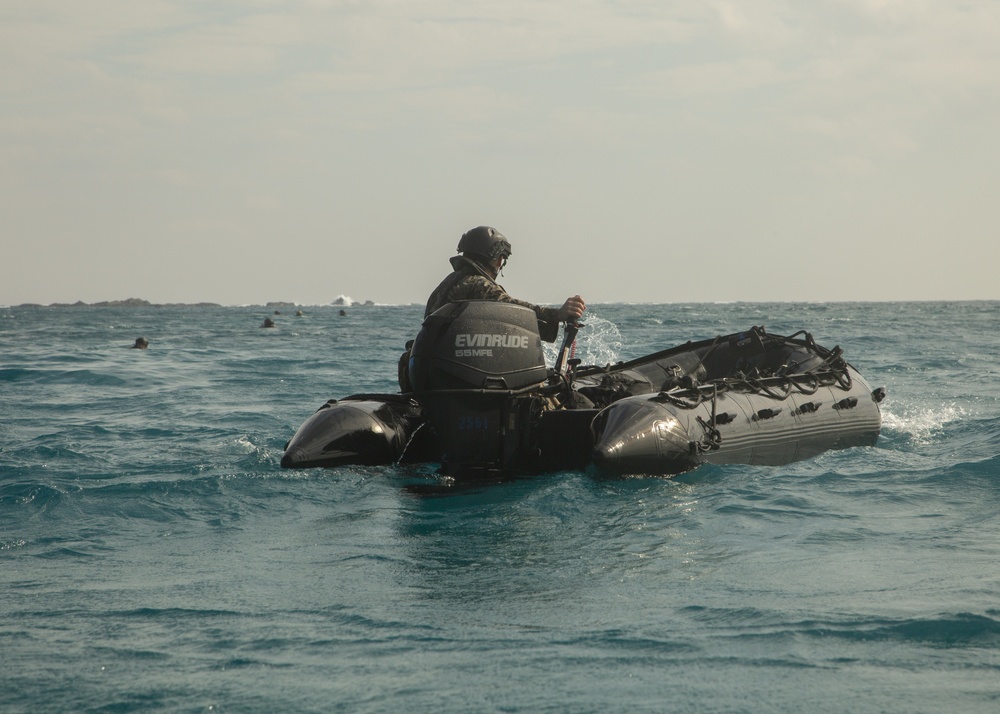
155, 557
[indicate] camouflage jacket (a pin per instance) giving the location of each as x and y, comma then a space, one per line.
471, 282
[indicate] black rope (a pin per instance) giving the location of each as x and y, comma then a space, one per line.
778, 388
785, 385
794, 379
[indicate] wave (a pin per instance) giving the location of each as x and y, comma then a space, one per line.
960, 629
988, 468
39, 496
73, 376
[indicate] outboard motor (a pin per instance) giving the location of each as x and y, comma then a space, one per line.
473, 367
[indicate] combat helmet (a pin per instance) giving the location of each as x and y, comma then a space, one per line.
486, 242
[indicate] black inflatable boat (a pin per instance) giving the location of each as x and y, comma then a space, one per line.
484, 404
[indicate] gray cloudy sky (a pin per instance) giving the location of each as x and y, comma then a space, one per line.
242, 151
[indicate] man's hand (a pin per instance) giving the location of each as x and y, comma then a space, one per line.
572, 309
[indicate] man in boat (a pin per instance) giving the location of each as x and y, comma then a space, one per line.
484, 253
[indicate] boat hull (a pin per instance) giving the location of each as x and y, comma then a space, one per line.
485, 406
369, 430
671, 433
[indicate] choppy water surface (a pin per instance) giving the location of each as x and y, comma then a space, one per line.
154, 557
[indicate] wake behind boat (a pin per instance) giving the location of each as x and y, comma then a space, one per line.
484, 404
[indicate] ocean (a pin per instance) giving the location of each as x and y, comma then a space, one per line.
154, 557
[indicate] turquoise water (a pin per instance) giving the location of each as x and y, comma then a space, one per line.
154, 557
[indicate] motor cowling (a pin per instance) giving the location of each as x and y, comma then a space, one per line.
478, 345
472, 367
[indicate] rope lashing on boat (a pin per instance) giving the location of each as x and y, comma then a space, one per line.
713, 437
833, 359
794, 379
777, 388
712, 440
844, 380
409, 441
761, 388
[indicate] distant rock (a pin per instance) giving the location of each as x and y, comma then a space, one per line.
131, 302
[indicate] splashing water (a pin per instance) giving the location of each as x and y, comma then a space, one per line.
599, 342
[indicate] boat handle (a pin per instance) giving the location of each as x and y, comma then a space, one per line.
808, 407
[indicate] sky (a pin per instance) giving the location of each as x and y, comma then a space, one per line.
248, 151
